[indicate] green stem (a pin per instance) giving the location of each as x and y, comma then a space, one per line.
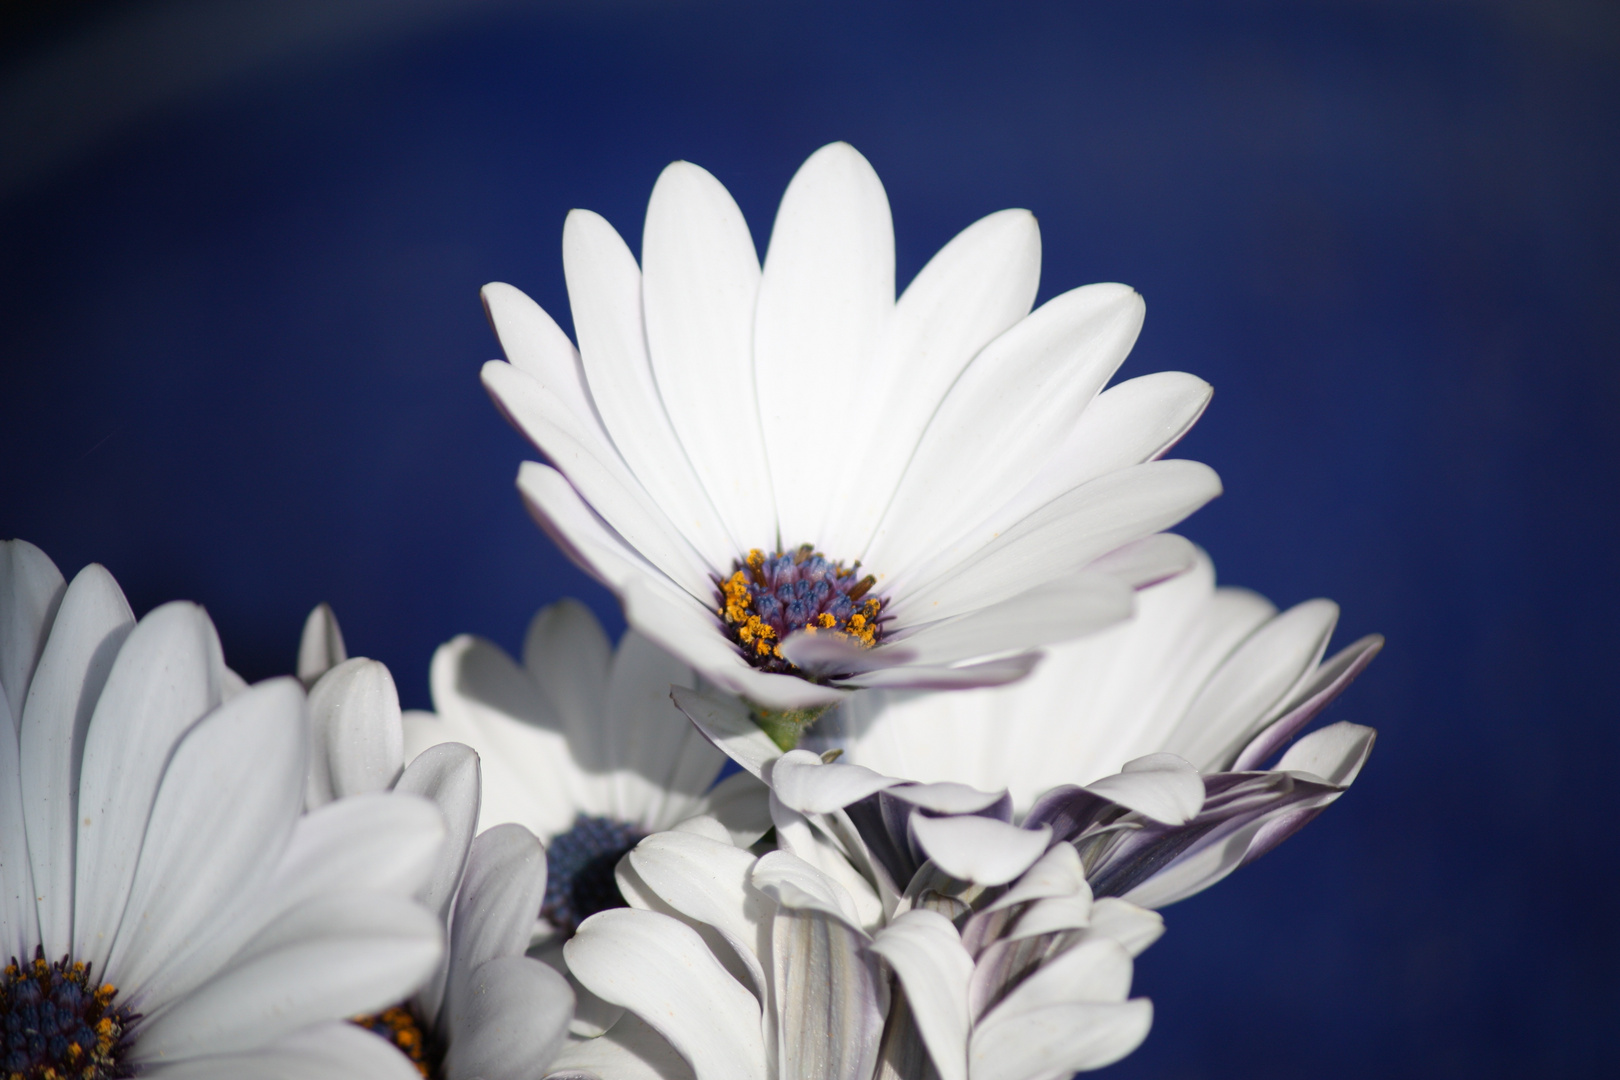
786, 726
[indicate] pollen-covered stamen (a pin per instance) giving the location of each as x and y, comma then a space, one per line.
56, 1023
410, 1037
768, 597
579, 870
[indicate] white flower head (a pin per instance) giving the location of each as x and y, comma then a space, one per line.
166, 906
1142, 746
792, 965
800, 485
488, 1012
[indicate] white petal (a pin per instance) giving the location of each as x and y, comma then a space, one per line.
568, 654
831, 995
330, 1051
1095, 969
447, 775
90, 625
357, 743
221, 819
927, 954
977, 286
30, 588
577, 530
1006, 416
169, 672
320, 647
604, 292
330, 958
1054, 1041
724, 721
1238, 700
383, 843
1163, 787
659, 968
809, 871
1133, 927
700, 281
630, 1050
19, 925
979, 849
1058, 872
706, 882
826, 293
921, 677
514, 1015
692, 632
807, 784
537, 346
593, 466
657, 763
1148, 561
500, 899
1335, 753
1054, 612
1309, 699
1058, 539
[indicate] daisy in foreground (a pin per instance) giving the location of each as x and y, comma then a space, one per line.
800, 485
1143, 746
167, 908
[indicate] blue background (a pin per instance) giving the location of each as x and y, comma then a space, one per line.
239, 260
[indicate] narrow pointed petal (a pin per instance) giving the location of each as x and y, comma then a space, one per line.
1148, 561
979, 849
700, 283
168, 674
927, 954
537, 346
977, 286
1335, 753
924, 677
514, 1017
1238, 700
320, 647
91, 624
604, 292
659, 968
824, 297
1327, 683
1055, 612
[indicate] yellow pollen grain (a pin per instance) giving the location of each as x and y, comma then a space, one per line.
826, 621
756, 559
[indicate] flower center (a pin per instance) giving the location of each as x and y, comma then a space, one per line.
56, 1023
410, 1037
768, 597
579, 870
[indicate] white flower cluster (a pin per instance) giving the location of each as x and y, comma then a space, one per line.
920, 718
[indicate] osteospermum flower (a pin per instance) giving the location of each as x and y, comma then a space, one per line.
1143, 746
166, 908
488, 1012
582, 745
780, 966
800, 485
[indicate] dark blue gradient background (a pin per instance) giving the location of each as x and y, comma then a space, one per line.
241, 338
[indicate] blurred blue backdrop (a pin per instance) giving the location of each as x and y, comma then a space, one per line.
240, 249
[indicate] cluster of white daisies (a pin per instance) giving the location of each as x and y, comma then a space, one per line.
920, 719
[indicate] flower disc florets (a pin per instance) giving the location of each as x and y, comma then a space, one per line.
579, 870
768, 597
56, 1024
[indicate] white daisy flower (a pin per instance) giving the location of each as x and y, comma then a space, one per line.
488, 1012
582, 745
168, 909
777, 967
800, 485
1141, 745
